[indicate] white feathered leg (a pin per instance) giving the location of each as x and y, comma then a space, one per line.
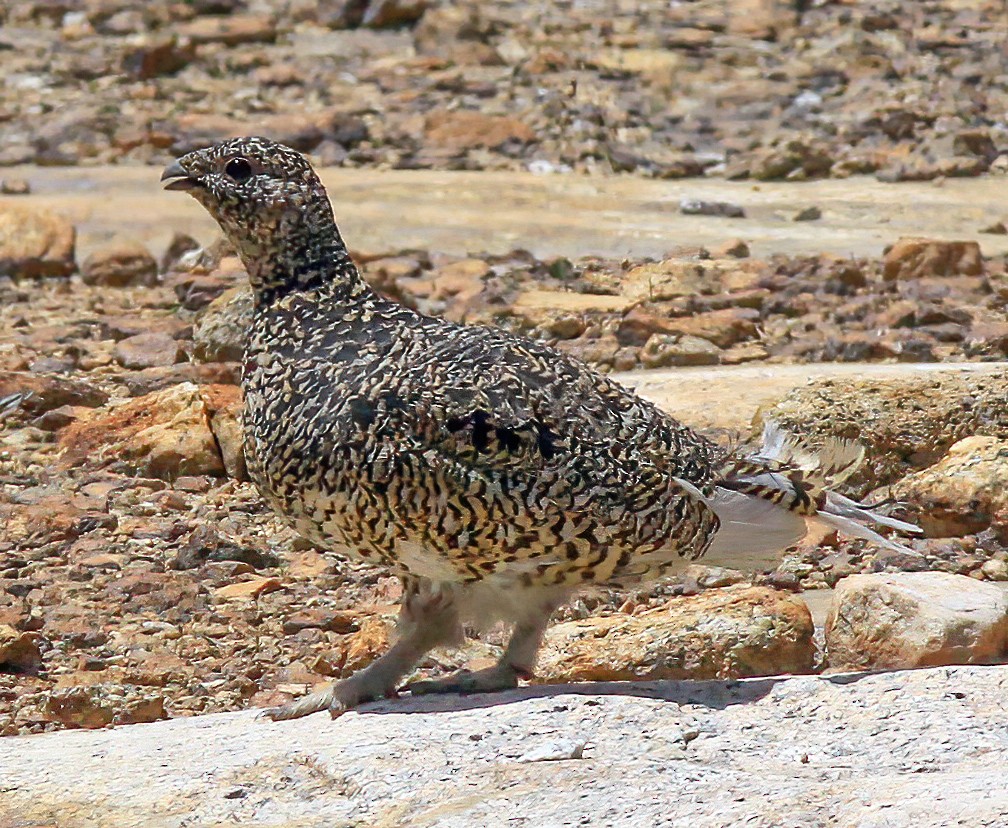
516, 663
428, 618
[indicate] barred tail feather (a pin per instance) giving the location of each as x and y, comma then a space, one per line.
763, 501
855, 519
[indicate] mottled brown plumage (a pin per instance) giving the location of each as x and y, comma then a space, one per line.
493, 473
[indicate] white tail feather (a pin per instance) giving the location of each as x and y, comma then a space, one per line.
754, 530
835, 461
837, 504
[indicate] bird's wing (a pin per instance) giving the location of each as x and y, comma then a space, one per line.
501, 405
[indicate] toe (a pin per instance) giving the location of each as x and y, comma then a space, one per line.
312, 703
455, 683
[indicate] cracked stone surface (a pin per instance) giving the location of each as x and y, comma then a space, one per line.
925, 748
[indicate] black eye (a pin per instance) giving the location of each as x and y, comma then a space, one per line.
239, 169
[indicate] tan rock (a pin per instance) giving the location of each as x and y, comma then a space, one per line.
724, 633
640, 323
14, 186
250, 589
99, 705
374, 638
744, 352
52, 519
220, 331
759, 19
672, 278
120, 265
995, 569
599, 352
148, 350
388, 274
467, 129
140, 710
296, 129
463, 278
19, 651
731, 249
231, 30
657, 65
667, 350
905, 423
353, 652
157, 56
722, 327
35, 243
964, 492
323, 618
563, 325
163, 434
535, 305
915, 619
912, 258
446, 24
225, 405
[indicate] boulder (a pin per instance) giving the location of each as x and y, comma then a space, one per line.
963, 493
720, 633
220, 331
120, 265
35, 243
898, 620
922, 748
163, 434
905, 423
912, 258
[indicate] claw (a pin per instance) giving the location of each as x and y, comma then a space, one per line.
337, 698
498, 677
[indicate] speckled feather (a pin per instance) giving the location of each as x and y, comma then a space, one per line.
443, 451
457, 453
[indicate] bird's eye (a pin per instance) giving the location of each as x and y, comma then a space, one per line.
239, 169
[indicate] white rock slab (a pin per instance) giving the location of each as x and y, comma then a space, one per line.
922, 748
898, 620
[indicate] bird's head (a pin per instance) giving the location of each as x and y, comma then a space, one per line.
271, 206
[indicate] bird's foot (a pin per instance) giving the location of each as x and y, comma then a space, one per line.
337, 698
491, 679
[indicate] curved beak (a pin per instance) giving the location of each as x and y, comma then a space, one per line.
177, 178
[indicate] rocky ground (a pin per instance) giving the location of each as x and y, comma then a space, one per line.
141, 577
765, 89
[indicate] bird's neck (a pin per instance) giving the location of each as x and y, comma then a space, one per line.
304, 262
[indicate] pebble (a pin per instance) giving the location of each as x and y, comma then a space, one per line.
697, 207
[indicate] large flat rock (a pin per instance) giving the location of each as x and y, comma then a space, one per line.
551, 215
728, 397
923, 748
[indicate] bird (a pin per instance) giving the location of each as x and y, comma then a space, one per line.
495, 475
